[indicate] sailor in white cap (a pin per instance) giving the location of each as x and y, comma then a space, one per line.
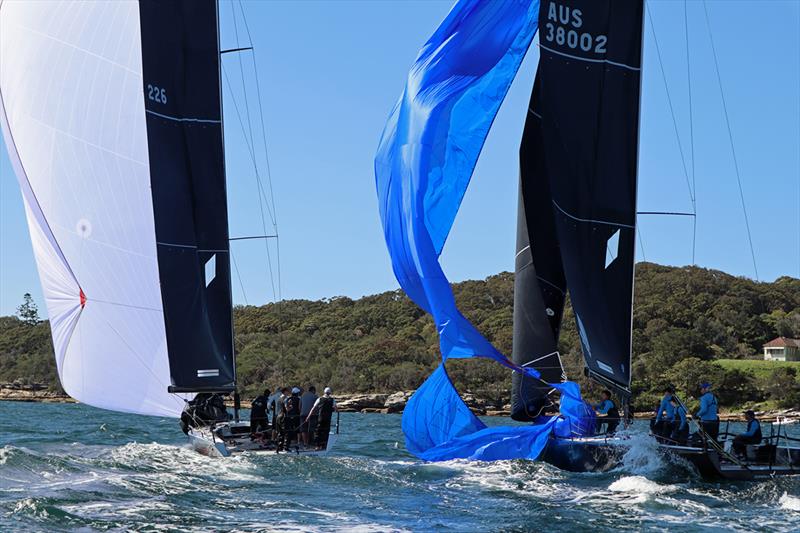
324, 408
291, 421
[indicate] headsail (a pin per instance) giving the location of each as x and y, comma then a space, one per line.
539, 284
424, 163
586, 103
72, 107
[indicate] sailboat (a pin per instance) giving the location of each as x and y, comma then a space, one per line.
112, 115
576, 220
576, 227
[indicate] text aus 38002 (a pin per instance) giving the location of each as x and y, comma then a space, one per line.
563, 28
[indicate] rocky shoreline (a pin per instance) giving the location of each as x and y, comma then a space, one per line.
383, 403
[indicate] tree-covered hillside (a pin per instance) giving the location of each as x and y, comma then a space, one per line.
684, 320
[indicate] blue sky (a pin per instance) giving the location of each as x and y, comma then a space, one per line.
330, 72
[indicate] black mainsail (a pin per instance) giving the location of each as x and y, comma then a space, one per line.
579, 160
181, 76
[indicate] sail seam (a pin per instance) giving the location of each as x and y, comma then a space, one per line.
591, 220
608, 61
130, 306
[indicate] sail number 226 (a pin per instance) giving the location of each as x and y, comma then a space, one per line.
156, 94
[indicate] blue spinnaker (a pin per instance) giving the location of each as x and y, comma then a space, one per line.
424, 163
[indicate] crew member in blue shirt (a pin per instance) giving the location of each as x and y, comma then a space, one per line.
708, 411
680, 431
607, 413
662, 429
751, 436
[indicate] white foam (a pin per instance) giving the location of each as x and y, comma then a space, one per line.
790, 503
640, 485
643, 456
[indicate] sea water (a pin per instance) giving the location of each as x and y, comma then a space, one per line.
69, 467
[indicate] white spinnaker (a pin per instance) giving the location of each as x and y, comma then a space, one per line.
72, 114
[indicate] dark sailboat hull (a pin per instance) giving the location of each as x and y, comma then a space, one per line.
711, 465
587, 454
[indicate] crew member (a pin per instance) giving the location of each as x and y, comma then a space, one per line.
291, 419
662, 429
607, 413
258, 413
309, 424
280, 418
708, 411
751, 436
275, 404
680, 431
323, 408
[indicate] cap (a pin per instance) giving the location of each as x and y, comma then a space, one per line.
705, 385
295, 391
327, 390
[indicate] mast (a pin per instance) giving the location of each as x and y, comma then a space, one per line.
236, 400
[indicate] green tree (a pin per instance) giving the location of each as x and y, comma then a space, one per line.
783, 388
28, 312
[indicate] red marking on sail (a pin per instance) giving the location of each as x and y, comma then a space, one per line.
83, 299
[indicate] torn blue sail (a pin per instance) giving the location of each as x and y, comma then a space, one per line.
424, 163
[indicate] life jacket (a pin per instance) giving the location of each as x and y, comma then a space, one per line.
613, 412
259, 407
292, 406
677, 418
325, 408
757, 434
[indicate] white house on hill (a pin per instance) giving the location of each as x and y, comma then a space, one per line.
782, 349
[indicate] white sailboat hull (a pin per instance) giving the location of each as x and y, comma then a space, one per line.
225, 440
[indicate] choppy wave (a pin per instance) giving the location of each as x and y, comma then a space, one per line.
135, 473
640, 485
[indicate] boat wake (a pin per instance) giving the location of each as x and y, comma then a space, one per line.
642, 457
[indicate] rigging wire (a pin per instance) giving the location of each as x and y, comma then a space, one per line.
250, 141
238, 275
691, 128
266, 151
246, 100
671, 107
251, 144
730, 138
253, 158
641, 242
